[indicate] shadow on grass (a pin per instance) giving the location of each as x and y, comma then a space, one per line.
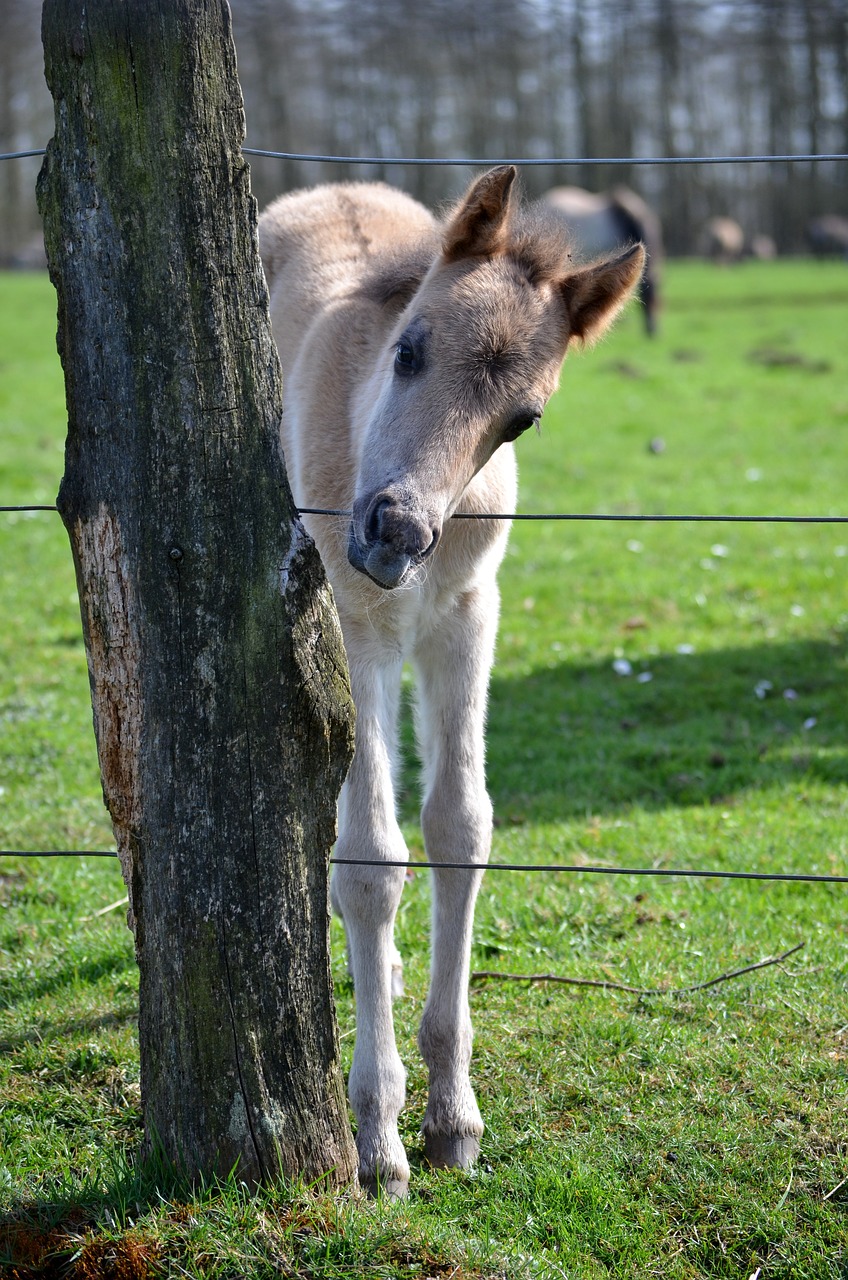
572, 739
59, 1237
47, 1030
18, 988
94, 1231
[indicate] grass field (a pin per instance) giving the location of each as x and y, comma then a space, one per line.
665, 695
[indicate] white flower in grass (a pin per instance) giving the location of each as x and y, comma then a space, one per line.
763, 688
797, 610
685, 648
720, 550
634, 545
622, 667
644, 677
810, 722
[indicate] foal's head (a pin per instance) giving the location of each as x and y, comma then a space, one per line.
473, 359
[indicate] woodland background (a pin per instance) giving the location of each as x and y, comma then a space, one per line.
514, 78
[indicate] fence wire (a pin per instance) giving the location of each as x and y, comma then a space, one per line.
553, 515
805, 877
521, 162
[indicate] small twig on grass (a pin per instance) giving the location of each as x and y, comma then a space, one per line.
113, 906
835, 1189
483, 975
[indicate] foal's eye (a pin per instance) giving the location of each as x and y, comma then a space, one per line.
407, 359
520, 423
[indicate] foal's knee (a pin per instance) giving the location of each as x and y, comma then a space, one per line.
366, 893
456, 823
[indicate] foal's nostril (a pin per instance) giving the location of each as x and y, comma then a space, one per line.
373, 520
432, 547
389, 523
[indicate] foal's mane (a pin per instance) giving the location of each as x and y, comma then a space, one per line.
540, 243
537, 242
396, 276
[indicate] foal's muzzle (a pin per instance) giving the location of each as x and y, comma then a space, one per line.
386, 540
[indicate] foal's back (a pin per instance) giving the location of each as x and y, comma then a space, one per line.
322, 246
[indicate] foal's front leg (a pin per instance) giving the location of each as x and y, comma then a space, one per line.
456, 819
367, 897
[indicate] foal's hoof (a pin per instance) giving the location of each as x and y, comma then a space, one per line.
390, 1188
450, 1150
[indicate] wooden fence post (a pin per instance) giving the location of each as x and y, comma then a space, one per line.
219, 684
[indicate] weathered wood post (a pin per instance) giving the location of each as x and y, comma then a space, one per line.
219, 684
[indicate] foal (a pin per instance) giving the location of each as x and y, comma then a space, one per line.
414, 353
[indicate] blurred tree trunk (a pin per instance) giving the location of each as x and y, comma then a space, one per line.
670, 106
10, 199
776, 72
586, 176
219, 684
812, 106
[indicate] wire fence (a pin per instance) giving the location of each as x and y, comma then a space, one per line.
615, 517
556, 867
573, 868
525, 162
803, 877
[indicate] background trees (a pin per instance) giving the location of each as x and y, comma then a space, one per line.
530, 78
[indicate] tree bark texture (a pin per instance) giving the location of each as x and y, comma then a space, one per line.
219, 685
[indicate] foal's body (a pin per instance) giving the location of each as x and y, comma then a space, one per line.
413, 353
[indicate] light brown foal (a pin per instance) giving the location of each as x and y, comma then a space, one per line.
414, 353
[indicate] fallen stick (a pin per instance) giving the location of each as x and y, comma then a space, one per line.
113, 906
484, 975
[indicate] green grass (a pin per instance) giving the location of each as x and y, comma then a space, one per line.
693, 1135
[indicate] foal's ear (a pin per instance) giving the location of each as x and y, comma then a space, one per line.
479, 225
595, 294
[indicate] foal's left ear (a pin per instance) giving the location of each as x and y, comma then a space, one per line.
595, 294
479, 225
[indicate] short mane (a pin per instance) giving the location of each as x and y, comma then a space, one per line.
539, 242
396, 277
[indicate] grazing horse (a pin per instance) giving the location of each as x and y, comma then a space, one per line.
414, 353
600, 224
827, 235
721, 240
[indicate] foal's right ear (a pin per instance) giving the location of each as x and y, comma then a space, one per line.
595, 294
479, 225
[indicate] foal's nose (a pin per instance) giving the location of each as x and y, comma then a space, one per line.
389, 522
394, 537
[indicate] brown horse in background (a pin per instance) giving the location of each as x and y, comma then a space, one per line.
602, 223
